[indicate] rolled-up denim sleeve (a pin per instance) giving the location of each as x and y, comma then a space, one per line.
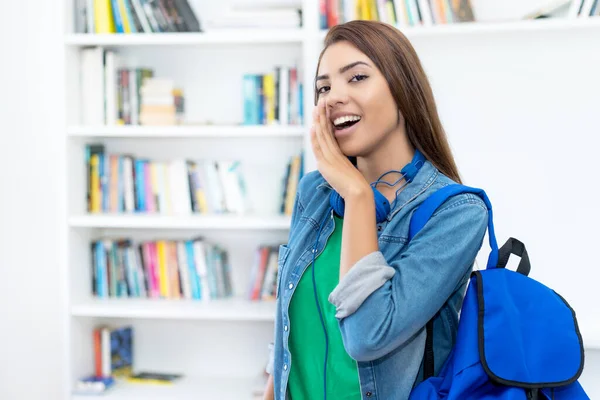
366, 276
377, 317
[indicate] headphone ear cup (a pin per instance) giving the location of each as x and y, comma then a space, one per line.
382, 206
337, 203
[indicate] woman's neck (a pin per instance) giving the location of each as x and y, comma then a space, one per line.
391, 154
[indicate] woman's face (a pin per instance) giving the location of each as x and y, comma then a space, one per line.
361, 106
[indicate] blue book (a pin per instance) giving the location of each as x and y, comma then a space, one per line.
117, 16
193, 275
250, 95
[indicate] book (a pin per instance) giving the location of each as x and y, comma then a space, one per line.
149, 377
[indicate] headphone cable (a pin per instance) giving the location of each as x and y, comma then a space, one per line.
319, 307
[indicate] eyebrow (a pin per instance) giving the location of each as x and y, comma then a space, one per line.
344, 69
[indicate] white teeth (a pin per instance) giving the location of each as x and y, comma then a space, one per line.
345, 118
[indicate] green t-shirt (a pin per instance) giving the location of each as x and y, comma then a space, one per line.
307, 340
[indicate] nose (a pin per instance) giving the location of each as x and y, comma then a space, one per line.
338, 95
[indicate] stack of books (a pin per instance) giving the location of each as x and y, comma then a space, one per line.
161, 102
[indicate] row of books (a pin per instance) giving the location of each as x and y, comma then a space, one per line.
122, 183
566, 9
162, 269
400, 13
273, 98
115, 94
294, 172
263, 276
582, 8
135, 16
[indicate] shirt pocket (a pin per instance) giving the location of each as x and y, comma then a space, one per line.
284, 251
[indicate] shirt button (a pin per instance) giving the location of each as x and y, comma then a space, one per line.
291, 285
285, 328
314, 250
285, 367
369, 394
379, 228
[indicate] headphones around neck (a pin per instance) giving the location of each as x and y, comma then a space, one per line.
382, 205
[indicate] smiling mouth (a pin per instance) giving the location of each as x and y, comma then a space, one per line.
345, 122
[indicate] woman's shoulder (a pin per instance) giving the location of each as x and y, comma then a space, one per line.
310, 185
461, 199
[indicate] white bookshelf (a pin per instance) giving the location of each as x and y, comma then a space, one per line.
207, 336
214, 310
500, 27
204, 222
203, 335
179, 131
241, 36
188, 388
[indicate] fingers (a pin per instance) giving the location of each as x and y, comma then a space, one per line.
325, 135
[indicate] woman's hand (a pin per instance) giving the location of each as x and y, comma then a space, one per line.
269, 395
335, 167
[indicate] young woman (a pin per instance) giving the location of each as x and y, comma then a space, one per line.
354, 296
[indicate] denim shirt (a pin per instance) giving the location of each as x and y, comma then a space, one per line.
385, 300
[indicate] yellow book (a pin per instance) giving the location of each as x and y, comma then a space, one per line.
126, 21
292, 185
95, 203
391, 13
374, 11
163, 273
365, 10
154, 378
199, 193
269, 90
103, 17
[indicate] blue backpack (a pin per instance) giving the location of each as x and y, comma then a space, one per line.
517, 339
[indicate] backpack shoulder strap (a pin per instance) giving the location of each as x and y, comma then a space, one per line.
435, 200
418, 221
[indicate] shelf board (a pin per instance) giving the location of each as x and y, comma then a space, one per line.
234, 309
187, 388
229, 36
229, 222
187, 131
466, 28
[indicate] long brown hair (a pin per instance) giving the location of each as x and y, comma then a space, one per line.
396, 58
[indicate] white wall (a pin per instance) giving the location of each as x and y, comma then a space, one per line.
30, 312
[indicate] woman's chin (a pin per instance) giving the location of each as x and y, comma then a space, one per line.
349, 149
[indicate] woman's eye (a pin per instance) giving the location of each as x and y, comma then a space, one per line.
358, 77
322, 89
